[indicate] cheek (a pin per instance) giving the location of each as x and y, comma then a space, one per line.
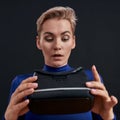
67, 51
46, 48
69, 47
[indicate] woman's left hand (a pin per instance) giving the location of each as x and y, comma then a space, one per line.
103, 104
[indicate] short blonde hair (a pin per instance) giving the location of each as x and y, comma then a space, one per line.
60, 13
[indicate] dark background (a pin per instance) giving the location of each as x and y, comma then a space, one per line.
97, 34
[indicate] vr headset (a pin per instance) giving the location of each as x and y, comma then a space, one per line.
61, 93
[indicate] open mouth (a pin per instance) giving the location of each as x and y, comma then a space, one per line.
57, 56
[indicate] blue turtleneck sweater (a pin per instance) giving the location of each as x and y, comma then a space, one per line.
30, 116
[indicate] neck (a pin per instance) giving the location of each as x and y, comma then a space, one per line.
58, 69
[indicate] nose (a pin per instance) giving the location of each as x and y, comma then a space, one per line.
57, 45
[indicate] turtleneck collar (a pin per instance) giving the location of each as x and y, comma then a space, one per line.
59, 69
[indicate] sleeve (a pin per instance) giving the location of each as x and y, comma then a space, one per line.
97, 117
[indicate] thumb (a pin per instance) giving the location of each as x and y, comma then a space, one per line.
114, 101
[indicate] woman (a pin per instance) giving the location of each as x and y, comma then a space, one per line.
56, 39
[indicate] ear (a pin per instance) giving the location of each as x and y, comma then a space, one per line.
74, 42
38, 42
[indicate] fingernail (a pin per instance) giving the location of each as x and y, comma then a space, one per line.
93, 90
27, 101
88, 83
94, 66
35, 84
35, 77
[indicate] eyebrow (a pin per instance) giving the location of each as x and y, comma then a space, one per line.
65, 32
61, 33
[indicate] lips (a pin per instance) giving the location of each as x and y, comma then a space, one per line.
57, 56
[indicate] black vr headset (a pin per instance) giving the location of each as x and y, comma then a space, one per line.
61, 93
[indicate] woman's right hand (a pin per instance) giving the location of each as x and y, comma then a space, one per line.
18, 105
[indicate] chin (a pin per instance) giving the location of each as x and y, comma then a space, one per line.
58, 64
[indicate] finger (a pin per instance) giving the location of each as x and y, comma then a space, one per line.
19, 97
114, 100
95, 74
19, 107
25, 110
95, 85
101, 93
30, 79
25, 86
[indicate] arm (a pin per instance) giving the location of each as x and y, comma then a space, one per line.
18, 104
104, 103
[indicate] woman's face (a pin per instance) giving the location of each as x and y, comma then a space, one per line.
56, 42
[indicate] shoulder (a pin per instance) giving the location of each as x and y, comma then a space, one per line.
21, 77
18, 79
90, 75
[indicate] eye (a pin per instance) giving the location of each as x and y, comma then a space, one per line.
49, 38
65, 38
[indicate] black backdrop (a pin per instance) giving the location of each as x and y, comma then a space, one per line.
97, 41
